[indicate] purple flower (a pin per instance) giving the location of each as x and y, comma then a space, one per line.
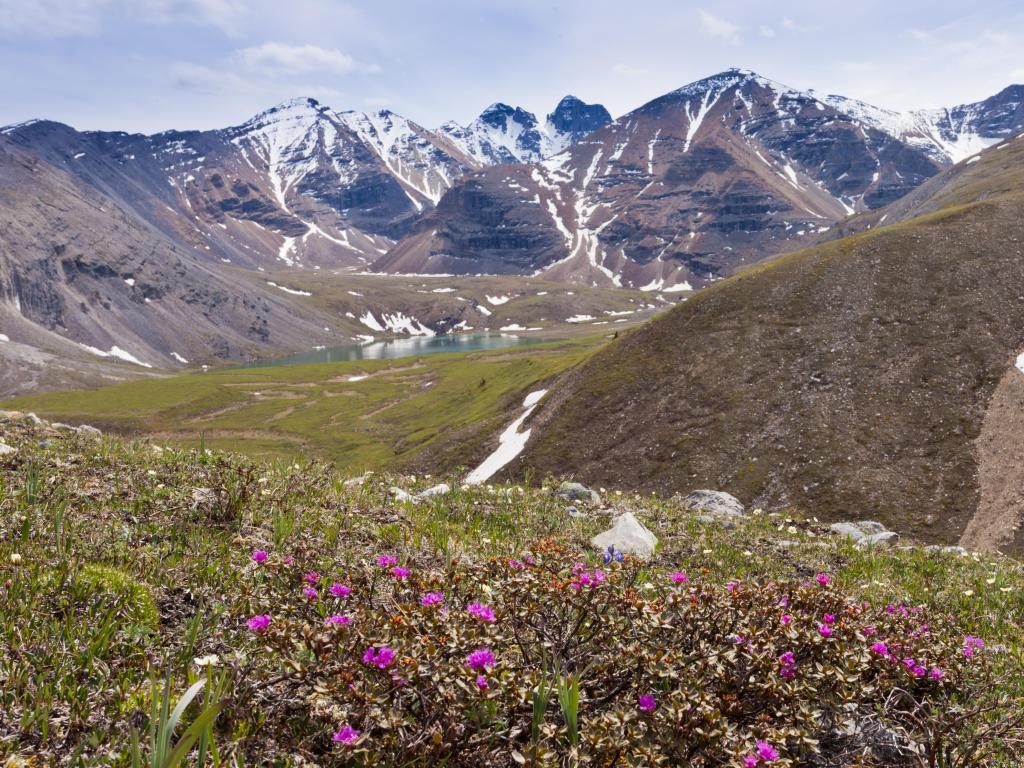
822, 578
881, 649
338, 619
400, 573
340, 590
482, 612
259, 623
347, 735
825, 630
788, 670
767, 752
259, 556
289, 560
386, 561
432, 598
647, 703
868, 631
750, 761
312, 577
310, 593
936, 674
679, 577
382, 659
786, 618
731, 586
830, 618
481, 682
481, 659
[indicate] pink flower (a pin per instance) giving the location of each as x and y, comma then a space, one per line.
259, 623
400, 573
830, 618
786, 618
788, 670
482, 612
289, 560
868, 631
767, 752
750, 761
259, 556
825, 630
881, 649
312, 577
679, 577
822, 578
386, 561
432, 598
731, 586
338, 619
936, 674
481, 682
481, 659
347, 735
647, 703
340, 590
382, 659
310, 593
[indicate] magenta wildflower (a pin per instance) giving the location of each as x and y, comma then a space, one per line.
259, 556
679, 577
340, 590
767, 752
338, 619
482, 612
785, 618
381, 659
481, 659
868, 631
936, 674
825, 630
750, 761
731, 586
400, 573
259, 623
647, 703
881, 649
481, 682
312, 577
830, 618
347, 735
310, 593
822, 578
432, 598
386, 561
289, 560
788, 670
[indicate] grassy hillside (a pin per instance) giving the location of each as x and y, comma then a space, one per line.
422, 412
133, 574
851, 379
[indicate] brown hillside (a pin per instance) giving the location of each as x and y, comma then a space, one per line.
850, 379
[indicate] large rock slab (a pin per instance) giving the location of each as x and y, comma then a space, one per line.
628, 536
715, 503
578, 492
865, 532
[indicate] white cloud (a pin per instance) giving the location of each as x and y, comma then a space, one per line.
766, 31
716, 26
788, 24
281, 58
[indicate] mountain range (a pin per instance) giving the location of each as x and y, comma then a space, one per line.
154, 249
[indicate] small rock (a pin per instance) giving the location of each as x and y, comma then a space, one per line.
399, 493
62, 427
6, 450
578, 492
35, 420
866, 532
203, 498
628, 536
44, 444
719, 520
574, 512
715, 503
438, 490
86, 429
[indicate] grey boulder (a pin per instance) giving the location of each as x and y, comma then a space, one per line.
629, 536
715, 503
578, 492
6, 450
866, 532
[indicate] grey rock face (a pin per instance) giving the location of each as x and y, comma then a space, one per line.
6, 450
715, 503
628, 536
578, 492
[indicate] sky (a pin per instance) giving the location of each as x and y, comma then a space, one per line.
152, 65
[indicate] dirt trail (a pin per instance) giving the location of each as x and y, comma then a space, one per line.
1000, 456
